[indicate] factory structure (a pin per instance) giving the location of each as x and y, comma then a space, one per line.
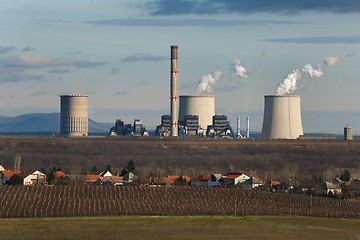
193, 115
122, 129
74, 115
282, 117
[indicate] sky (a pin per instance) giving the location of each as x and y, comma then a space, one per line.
117, 52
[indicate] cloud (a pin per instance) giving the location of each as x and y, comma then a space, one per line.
18, 75
187, 22
144, 57
121, 93
331, 61
4, 50
37, 61
59, 70
181, 7
318, 40
40, 93
28, 49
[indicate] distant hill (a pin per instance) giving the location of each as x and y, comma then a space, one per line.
41, 123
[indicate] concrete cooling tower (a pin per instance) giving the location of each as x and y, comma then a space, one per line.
74, 115
200, 105
282, 117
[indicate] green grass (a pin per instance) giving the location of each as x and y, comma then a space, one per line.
199, 227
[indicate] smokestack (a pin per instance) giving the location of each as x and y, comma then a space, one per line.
173, 91
238, 127
248, 127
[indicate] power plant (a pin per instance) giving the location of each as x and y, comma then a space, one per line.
173, 91
74, 115
282, 117
194, 115
202, 106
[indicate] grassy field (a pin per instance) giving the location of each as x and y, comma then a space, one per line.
198, 227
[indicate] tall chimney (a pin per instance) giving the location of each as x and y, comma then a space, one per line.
173, 91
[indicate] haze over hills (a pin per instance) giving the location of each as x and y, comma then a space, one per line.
41, 123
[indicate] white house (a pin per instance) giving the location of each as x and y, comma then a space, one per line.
252, 182
35, 178
234, 179
106, 174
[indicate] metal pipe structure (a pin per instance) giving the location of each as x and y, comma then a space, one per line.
248, 127
173, 91
238, 133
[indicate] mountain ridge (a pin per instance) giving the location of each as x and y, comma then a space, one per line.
43, 122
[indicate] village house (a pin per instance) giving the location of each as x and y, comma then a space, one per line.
206, 180
233, 179
328, 188
34, 178
252, 182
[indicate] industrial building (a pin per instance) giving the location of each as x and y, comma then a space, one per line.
191, 125
74, 115
202, 106
348, 134
282, 117
122, 129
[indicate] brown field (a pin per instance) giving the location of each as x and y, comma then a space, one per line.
91, 200
167, 156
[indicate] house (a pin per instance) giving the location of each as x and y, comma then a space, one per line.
169, 180
106, 174
328, 188
252, 182
34, 178
91, 178
206, 180
201, 181
233, 179
130, 177
7, 174
114, 180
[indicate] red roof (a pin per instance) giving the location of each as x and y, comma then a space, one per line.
174, 178
201, 178
91, 178
233, 176
8, 173
59, 174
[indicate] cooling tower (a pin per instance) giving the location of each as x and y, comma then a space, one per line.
282, 117
200, 105
74, 115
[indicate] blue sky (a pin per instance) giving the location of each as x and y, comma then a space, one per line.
118, 53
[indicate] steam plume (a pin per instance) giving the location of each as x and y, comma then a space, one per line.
331, 61
208, 82
288, 85
313, 72
238, 70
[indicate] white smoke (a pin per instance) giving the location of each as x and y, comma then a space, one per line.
289, 85
207, 82
238, 70
313, 72
331, 61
